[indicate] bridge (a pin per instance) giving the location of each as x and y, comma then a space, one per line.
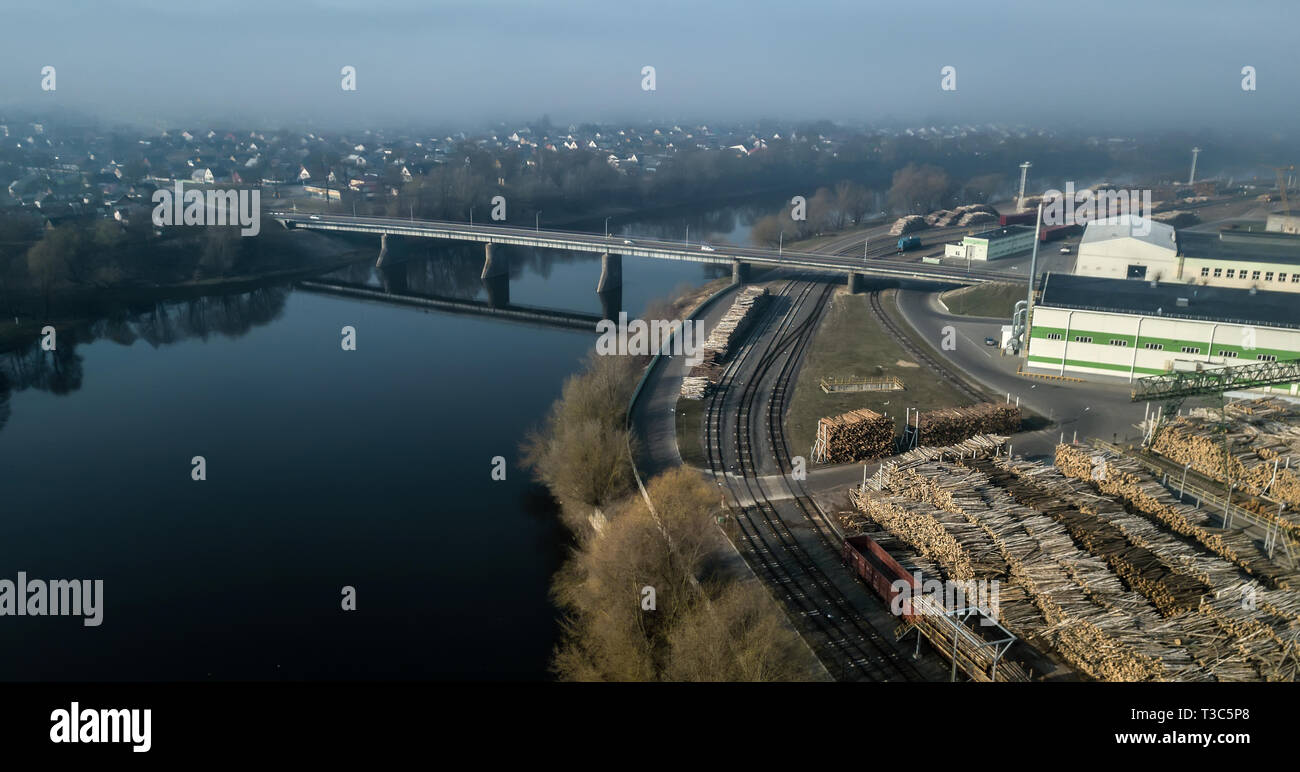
613, 247
548, 317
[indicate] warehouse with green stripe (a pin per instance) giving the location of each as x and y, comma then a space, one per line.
1086, 325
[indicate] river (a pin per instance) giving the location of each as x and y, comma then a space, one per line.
325, 469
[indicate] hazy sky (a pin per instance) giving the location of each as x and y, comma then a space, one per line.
1110, 66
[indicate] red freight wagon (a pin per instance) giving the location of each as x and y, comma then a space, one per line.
875, 566
1057, 232
1024, 218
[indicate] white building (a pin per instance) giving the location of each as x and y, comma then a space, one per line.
994, 244
1242, 257
1115, 327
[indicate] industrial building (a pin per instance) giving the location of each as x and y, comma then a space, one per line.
1243, 256
994, 244
1085, 325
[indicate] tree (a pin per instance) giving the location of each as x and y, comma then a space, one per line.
918, 189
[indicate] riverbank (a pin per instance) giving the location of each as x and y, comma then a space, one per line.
318, 253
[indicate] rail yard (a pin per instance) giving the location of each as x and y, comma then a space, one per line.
1104, 565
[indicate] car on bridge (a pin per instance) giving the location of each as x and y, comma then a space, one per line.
706, 248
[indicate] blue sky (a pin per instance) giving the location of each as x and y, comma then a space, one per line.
1126, 65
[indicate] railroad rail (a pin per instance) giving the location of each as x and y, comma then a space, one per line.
846, 642
918, 352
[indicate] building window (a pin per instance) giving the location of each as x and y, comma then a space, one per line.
1268, 276
1083, 338
1191, 349
1055, 336
1228, 354
1266, 358
1156, 346
1231, 273
1218, 272
1205, 271
1281, 277
1295, 278
1118, 342
1254, 275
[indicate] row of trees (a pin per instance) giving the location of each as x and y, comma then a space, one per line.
913, 189
637, 600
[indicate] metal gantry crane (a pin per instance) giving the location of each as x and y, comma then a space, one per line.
1172, 389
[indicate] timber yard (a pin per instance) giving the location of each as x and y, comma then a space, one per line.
1136, 516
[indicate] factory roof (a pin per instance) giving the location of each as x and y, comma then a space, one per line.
1124, 227
1245, 245
1202, 303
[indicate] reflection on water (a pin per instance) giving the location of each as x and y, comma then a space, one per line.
366, 468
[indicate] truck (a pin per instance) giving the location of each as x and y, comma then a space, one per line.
909, 242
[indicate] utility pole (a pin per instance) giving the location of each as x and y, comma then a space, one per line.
1033, 269
1024, 174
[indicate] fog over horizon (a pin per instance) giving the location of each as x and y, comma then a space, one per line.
1111, 68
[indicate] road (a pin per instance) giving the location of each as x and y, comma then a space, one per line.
639, 247
1093, 409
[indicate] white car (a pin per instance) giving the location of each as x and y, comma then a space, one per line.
625, 241
314, 217
1065, 250
706, 248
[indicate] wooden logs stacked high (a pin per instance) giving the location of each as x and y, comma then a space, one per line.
952, 425
908, 224
853, 436
721, 340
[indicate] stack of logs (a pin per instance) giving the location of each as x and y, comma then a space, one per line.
945, 427
721, 340
1257, 462
853, 436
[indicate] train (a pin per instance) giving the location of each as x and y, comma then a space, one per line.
874, 566
1023, 218
909, 242
1058, 232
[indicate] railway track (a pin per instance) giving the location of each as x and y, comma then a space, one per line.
845, 641
920, 354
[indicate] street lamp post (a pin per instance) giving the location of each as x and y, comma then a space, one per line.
471, 217
780, 245
537, 221
688, 234
606, 227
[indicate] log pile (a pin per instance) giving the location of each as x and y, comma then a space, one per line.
1126, 480
854, 436
951, 425
1258, 461
909, 224
1056, 595
729, 329
977, 218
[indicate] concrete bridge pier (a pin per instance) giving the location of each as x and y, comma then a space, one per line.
739, 272
611, 272
383, 250
498, 290
611, 302
494, 264
855, 283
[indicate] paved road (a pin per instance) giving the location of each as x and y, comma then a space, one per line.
639, 247
1093, 409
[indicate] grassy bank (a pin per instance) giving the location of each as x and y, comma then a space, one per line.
849, 342
995, 299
